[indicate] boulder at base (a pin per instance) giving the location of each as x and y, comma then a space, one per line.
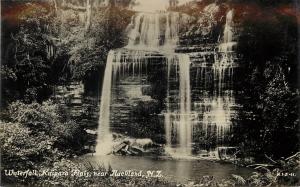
133, 147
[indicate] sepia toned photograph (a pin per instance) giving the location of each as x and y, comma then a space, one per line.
150, 93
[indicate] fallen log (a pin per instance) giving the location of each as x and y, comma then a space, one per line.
269, 158
260, 165
67, 6
119, 147
291, 157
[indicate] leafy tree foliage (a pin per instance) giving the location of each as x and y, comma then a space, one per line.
107, 32
37, 135
28, 70
269, 118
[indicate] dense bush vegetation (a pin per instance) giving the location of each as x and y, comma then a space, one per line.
47, 45
88, 56
268, 49
26, 69
36, 135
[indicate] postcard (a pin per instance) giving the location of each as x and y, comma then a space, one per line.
150, 93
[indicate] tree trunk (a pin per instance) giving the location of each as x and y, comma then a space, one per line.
88, 15
55, 5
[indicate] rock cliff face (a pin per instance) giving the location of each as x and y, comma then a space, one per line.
79, 107
173, 82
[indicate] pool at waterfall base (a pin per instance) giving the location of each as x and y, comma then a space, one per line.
179, 170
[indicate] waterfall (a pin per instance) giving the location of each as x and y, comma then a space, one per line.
224, 60
228, 31
172, 29
146, 32
154, 31
178, 121
159, 31
218, 114
185, 129
223, 68
104, 141
156, 35
167, 115
228, 43
216, 109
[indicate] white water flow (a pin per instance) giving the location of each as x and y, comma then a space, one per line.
185, 125
167, 115
224, 62
220, 105
172, 29
217, 115
217, 108
178, 122
154, 31
104, 141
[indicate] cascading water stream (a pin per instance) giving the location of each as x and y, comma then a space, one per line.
153, 34
172, 30
223, 72
154, 31
179, 121
104, 141
224, 64
147, 34
217, 108
167, 115
185, 125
